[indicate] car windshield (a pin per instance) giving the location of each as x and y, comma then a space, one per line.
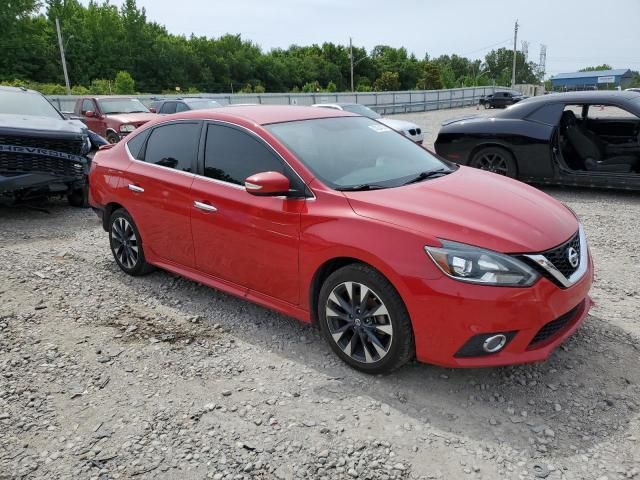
25, 103
361, 110
351, 152
121, 105
202, 104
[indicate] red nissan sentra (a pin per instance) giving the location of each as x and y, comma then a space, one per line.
334, 218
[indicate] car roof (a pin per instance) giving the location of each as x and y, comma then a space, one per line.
264, 114
586, 96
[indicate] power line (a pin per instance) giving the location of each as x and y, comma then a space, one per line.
487, 47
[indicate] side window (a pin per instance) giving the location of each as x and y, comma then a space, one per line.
232, 155
547, 114
168, 107
608, 111
174, 145
181, 107
88, 105
135, 145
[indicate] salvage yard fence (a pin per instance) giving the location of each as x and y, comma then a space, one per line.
385, 103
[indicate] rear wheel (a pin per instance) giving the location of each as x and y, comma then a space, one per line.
364, 320
495, 160
126, 244
487, 105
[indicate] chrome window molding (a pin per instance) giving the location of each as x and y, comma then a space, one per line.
555, 273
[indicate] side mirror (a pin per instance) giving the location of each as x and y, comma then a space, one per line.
267, 184
153, 110
90, 113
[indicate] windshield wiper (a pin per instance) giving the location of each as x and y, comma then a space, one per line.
429, 174
359, 188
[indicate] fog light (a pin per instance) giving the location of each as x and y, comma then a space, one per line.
494, 343
485, 344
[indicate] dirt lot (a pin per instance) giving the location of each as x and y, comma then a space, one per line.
107, 376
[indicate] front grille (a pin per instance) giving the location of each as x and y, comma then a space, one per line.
558, 256
71, 145
552, 328
25, 162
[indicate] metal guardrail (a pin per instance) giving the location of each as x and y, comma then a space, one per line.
385, 103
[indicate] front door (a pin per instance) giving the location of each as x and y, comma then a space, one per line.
249, 241
157, 190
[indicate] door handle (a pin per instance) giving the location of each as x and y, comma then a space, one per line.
136, 188
204, 206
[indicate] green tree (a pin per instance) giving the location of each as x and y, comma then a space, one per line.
431, 78
388, 82
604, 66
124, 84
331, 87
499, 64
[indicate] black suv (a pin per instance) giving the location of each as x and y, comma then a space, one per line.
41, 152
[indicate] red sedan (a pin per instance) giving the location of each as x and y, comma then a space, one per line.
336, 219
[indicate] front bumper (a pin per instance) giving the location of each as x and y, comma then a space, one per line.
446, 314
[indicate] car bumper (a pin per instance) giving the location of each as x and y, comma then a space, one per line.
446, 314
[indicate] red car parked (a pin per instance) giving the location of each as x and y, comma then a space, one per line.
334, 218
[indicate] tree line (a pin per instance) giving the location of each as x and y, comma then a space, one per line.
118, 50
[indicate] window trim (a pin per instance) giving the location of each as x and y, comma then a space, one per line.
143, 149
203, 140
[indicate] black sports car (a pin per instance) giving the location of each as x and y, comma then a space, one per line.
577, 138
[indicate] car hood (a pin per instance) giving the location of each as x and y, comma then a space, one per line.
398, 125
135, 118
473, 207
44, 125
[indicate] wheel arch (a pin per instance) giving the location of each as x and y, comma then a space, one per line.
109, 208
330, 266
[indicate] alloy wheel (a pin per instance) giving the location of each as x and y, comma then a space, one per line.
124, 243
493, 162
359, 322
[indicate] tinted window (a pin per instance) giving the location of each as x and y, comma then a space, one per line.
174, 146
168, 107
547, 114
182, 107
232, 155
350, 151
87, 105
135, 145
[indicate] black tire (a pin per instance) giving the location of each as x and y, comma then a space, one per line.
79, 198
113, 137
126, 244
496, 160
397, 344
487, 105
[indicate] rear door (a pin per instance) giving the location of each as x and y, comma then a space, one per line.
246, 240
157, 190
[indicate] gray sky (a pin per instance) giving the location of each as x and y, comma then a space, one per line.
578, 33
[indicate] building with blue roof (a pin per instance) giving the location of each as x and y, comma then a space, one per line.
595, 80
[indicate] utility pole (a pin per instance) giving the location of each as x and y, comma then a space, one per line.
515, 51
351, 58
64, 62
542, 64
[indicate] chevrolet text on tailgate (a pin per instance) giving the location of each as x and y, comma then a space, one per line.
333, 218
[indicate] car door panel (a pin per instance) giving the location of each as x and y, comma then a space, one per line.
247, 240
158, 195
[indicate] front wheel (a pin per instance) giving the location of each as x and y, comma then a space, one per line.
487, 105
126, 244
364, 320
495, 160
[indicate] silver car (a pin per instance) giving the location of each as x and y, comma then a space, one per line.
408, 129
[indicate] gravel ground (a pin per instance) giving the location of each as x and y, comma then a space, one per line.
107, 376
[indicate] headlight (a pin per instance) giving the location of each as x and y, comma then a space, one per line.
127, 127
477, 265
86, 145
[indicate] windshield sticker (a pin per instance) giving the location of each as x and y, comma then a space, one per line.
379, 128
